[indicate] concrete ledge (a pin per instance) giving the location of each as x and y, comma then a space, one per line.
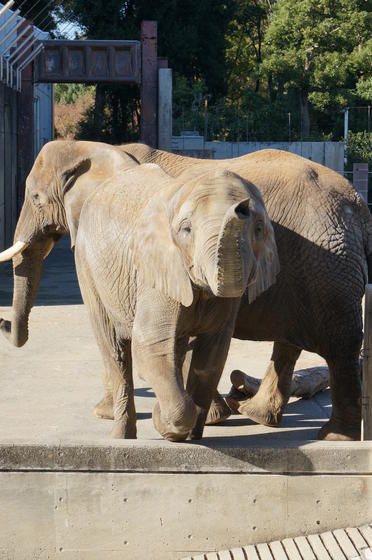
162, 457
167, 516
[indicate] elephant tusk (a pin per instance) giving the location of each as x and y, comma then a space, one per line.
50, 247
17, 248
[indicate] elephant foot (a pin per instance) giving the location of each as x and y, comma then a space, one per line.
178, 429
218, 411
124, 430
253, 408
335, 431
105, 408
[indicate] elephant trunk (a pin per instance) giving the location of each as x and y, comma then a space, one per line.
27, 269
235, 263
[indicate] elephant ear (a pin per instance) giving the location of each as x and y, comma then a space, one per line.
268, 266
74, 198
157, 259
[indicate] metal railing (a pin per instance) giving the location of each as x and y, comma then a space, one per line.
16, 50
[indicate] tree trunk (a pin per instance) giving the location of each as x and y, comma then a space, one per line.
98, 109
305, 114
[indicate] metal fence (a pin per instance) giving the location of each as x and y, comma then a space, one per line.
19, 44
8, 164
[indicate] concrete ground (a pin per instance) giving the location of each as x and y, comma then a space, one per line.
49, 387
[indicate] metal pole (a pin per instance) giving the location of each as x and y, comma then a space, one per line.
238, 136
23, 51
20, 47
29, 59
6, 7
289, 128
346, 132
369, 133
8, 21
205, 122
16, 39
247, 128
8, 35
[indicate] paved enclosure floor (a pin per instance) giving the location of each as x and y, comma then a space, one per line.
49, 387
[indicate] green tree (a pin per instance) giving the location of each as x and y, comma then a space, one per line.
320, 49
245, 36
69, 93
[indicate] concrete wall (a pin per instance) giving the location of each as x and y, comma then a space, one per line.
165, 502
43, 116
330, 154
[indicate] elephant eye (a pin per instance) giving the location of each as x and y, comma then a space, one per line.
259, 231
35, 198
185, 228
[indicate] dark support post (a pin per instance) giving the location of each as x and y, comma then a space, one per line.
25, 125
149, 84
367, 367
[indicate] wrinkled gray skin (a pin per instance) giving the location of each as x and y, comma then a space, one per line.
159, 260
323, 232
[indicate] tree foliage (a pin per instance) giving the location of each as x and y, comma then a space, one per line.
41, 12
269, 69
320, 49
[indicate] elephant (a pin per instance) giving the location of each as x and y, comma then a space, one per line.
159, 260
323, 232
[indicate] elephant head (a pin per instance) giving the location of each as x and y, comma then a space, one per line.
213, 233
63, 176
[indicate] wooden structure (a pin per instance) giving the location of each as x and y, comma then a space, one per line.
89, 62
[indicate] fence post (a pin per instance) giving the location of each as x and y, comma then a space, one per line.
367, 368
165, 109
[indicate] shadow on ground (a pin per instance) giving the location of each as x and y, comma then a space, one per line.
59, 284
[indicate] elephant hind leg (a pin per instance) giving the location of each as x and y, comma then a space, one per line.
218, 411
118, 379
345, 421
104, 409
266, 407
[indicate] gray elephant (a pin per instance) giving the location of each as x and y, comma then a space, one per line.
323, 232
159, 260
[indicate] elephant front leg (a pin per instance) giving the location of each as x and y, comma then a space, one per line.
267, 406
345, 421
207, 363
157, 358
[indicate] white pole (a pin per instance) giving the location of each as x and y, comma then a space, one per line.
6, 7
